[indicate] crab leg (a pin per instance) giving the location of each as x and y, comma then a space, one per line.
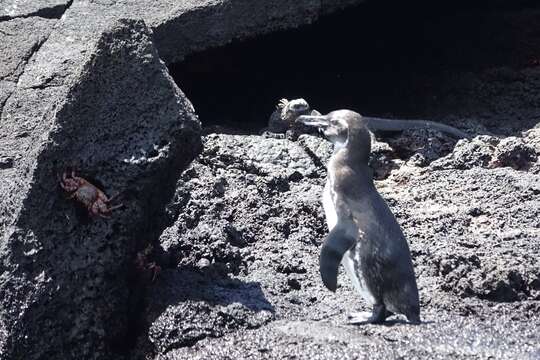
75, 177
64, 186
64, 178
115, 207
112, 197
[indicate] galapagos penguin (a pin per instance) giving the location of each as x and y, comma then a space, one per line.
364, 234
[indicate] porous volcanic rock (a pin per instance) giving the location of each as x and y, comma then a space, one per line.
247, 225
21, 38
82, 86
10, 9
120, 121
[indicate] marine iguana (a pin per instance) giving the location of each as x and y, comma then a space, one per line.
283, 119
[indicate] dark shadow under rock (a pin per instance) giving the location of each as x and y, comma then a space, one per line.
190, 305
410, 63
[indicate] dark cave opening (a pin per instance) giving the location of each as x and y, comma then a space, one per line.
380, 58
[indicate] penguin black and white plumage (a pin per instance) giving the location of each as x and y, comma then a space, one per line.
364, 234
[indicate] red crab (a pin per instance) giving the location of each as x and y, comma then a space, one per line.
88, 195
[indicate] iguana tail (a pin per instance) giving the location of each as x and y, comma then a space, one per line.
374, 123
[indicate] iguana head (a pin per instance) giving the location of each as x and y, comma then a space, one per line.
290, 110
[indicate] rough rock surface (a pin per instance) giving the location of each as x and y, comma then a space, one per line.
239, 240
80, 87
199, 25
127, 128
247, 225
502, 99
19, 49
442, 337
244, 217
10, 9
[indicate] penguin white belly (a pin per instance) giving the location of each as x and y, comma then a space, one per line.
328, 206
348, 263
356, 277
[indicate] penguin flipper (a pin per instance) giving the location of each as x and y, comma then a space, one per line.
334, 247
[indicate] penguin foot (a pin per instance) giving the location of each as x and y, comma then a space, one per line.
359, 318
414, 319
377, 316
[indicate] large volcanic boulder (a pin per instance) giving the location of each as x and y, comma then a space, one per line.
119, 120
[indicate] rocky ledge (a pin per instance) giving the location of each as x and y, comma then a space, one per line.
241, 255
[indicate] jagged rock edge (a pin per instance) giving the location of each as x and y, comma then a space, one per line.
54, 12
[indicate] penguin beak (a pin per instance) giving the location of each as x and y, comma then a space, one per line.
319, 121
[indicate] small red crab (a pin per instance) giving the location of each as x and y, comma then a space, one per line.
88, 195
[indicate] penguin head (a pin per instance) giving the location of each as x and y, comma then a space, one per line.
339, 126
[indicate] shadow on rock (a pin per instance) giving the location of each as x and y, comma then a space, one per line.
187, 305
